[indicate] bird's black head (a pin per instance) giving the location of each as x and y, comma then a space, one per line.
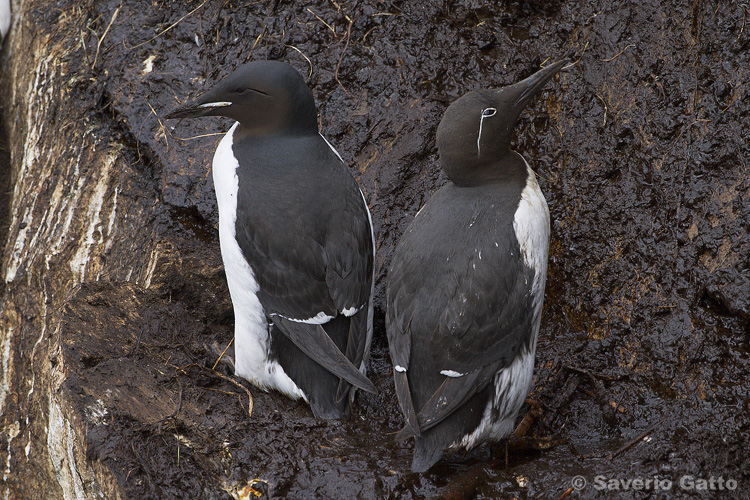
474, 135
266, 97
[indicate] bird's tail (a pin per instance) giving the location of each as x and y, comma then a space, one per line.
317, 343
428, 449
330, 377
356, 340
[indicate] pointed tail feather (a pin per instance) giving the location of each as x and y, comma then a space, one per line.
355, 348
315, 342
407, 406
427, 451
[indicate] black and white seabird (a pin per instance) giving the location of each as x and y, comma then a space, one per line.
466, 282
296, 239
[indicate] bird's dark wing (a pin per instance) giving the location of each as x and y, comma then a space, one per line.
398, 329
349, 252
312, 256
477, 355
459, 309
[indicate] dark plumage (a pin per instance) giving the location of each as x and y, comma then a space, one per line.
296, 240
466, 283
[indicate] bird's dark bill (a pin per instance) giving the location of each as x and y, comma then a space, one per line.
195, 109
531, 86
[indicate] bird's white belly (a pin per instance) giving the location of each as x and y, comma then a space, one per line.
511, 385
251, 333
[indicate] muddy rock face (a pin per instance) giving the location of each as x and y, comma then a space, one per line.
114, 291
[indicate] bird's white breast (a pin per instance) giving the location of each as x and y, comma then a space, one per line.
531, 225
251, 343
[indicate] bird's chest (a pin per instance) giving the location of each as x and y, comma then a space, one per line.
226, 181
531, 227
240, 276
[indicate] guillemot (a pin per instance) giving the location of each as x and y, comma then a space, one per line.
466, 281
296, 240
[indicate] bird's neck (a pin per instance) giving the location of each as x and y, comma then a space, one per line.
250, 133
470, 172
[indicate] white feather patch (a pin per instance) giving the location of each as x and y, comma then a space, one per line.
350, 311
399, 368
219, 104
511, 387
5, 18
319, 319
451, 373
531, 225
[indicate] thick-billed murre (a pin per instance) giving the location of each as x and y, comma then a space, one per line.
466, 281
296, 240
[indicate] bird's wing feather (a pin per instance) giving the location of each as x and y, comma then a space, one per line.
453, 393
357, 343
471, 314
315, 342
406, 403
312, 256
349, 253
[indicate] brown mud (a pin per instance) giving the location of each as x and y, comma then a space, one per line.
641, 148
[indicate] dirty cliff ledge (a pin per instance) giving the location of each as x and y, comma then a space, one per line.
113, 288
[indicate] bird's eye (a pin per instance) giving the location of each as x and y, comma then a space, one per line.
240, 90
488, 112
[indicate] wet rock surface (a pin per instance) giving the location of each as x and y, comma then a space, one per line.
115, 295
